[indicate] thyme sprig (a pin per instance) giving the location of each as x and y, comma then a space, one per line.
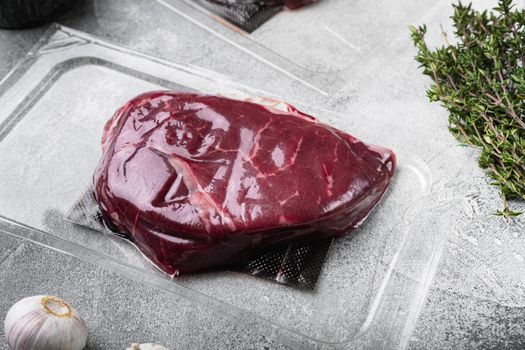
481, 81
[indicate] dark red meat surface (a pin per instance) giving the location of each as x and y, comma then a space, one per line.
200, 181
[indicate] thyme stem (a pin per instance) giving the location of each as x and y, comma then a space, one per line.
481, 81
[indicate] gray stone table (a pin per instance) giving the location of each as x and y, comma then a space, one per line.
477, 299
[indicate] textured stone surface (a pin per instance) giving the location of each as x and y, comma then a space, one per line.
478, 295
116, 310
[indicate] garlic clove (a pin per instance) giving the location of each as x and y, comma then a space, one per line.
146, 346
44, 323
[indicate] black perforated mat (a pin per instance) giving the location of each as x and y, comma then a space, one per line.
247, 15
296, 264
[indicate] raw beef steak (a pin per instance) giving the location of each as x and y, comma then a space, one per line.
199, 181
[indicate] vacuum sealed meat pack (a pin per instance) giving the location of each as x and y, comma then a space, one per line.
183, 162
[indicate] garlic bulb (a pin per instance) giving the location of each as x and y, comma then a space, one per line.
147, 346
44, 323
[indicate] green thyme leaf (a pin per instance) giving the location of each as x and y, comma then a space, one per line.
480, 80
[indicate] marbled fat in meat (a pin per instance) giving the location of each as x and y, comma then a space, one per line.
199, 181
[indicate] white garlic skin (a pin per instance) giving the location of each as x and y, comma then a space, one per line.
146, 346
44, 323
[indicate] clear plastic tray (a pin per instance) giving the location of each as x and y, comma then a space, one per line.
54, 105
322, 46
